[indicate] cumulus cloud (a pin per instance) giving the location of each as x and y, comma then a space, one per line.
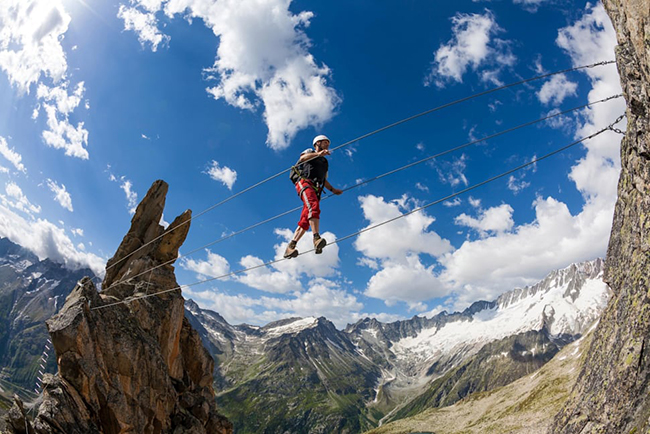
47, 240
31, 51
214, 266
483, 268
144, 24
266, 278
556, 90
473, 45
61, 134
408, 281
224, 174
16, 199
11, 155
310, 264
394, 250
591, 39
497, 220
60, 194
322, 298
263, 59
398, 239
30, 41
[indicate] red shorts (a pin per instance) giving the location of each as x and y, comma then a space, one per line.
310, 202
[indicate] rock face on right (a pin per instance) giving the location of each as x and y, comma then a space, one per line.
612, 394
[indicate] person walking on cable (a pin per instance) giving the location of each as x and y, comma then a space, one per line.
309, 175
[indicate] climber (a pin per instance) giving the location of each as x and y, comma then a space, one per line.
309, 175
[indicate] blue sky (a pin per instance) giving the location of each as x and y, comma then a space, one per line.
99, 99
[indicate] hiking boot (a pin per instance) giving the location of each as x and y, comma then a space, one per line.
319, 243
291, 251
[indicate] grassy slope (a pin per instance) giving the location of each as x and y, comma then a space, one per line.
526, 406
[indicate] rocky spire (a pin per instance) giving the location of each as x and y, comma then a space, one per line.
136, 366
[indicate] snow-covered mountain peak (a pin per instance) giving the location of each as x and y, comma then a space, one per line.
290, 326
571, 278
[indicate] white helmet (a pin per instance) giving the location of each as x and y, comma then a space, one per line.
318, 139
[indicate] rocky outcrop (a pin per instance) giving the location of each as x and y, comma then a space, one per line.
128, 359
611, 395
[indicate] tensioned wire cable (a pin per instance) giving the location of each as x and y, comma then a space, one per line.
367, 181
610, 127
394, 124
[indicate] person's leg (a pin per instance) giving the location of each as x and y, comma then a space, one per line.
303, 224
315, 226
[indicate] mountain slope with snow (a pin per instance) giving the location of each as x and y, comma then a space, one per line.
372, 371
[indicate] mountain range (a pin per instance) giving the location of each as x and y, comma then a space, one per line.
31, 291
305, 375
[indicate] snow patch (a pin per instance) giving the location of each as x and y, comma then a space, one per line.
294, 327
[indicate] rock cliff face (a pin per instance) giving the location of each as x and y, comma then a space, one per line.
611, 395
129, 363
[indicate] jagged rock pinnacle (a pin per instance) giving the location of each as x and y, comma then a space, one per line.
132, 367
148, 244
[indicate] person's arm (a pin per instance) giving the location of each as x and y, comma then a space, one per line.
332, 189
310, 155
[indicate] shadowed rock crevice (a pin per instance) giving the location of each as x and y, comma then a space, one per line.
133, 367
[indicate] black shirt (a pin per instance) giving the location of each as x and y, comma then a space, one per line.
315, 170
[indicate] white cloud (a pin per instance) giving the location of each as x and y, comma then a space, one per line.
473, 45
452, 172
322, 298
47, 240
224, 174
476, 203
30, 41
422, 187
408, 281
400, 238
266, 279
309, 264
21, 202
556, 90
61, 133
4, 169
530, 5
77, 232
497, 219
11, 155
560, 122
214, 266
394, 250
591, 39
483, 268
263, 59
131, 196
452, 203
144, 24
30, 51
517, 183
60, 194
